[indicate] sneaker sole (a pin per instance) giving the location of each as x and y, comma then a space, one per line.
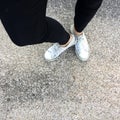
51, 60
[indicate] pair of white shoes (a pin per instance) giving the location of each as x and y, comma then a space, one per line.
82, 49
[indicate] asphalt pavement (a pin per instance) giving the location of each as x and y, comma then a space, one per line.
66, 89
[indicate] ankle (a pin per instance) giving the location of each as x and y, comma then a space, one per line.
77, 33
66, 44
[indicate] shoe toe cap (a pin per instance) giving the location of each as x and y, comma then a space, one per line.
84, 56
47, 56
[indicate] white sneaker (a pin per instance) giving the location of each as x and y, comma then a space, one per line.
82, 48
54, 51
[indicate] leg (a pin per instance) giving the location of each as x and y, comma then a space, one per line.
60, 36
24, 21
84, 12
56, 32
27, 24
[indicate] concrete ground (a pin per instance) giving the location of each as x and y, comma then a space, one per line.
66, 89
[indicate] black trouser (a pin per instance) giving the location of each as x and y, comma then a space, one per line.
26, 23
84, 12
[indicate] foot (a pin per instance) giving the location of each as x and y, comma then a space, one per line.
82, 48
54, 51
